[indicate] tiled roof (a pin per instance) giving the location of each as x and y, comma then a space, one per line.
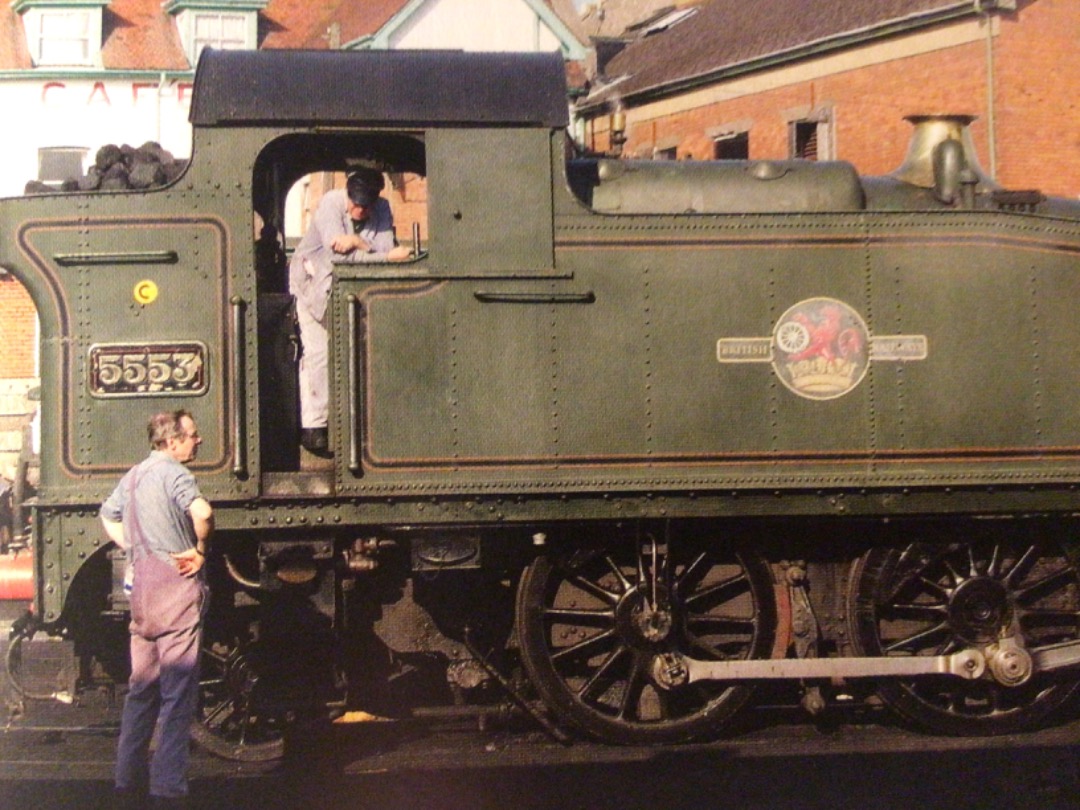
364, 19
13, 52
727, 33
136, 34
139, 35
296, 23
305, 24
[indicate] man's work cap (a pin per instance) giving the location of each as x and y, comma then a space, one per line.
363, 186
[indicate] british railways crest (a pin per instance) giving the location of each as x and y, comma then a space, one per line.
821, 349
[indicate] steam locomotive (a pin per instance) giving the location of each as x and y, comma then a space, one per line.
621, 443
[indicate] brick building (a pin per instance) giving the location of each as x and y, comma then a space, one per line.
828, 80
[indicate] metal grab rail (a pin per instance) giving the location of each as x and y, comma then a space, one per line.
353, 304
238, 384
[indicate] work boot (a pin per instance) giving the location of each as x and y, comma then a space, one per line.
316, 441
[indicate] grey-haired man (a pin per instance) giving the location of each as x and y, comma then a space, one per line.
159, 515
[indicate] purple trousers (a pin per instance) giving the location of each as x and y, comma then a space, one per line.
166, 635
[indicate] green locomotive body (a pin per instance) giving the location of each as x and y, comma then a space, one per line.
652, 403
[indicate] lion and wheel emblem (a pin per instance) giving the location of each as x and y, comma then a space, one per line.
821, 348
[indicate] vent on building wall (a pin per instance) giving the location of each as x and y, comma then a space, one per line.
805, 140
732, 146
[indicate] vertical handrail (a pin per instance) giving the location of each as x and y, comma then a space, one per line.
238, 386
353, 360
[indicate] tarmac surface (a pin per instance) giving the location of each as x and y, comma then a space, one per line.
46, 763
61, 756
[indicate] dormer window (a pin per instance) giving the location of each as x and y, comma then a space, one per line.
219, 31
221, 24
62, 33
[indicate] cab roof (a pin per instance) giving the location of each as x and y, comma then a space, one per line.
403, 87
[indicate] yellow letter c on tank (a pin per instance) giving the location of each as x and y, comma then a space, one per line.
146, 292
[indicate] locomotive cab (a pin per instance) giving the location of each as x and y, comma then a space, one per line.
290, 173
472, 198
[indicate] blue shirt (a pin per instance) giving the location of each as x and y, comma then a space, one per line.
164, 490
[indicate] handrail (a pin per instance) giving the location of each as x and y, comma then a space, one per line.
238, 386
353, 358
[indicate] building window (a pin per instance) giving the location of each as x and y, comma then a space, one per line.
64, 38
59, 163
804, 140
810, 134
224, 31
733, 146
666, 148
220, 24
60, 34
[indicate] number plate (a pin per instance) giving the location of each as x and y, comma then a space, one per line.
148, 369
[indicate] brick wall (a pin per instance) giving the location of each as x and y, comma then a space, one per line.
17, 331
867, 107
1037, 119
1038, 115
408, 198
17, 336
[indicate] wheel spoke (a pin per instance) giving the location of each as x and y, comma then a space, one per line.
692, 575
619, 575
725, 591
583, 648
210, 716
1016, 574
930, 610
934, 588
594, 589
630, 706
973, 566
699, 647
589, 687
586, 617
954, 575
924, 635
1047, 583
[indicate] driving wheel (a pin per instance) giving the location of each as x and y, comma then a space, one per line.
231, 722
937, 598
593, 620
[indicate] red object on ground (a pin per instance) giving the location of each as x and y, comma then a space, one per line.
17, 576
